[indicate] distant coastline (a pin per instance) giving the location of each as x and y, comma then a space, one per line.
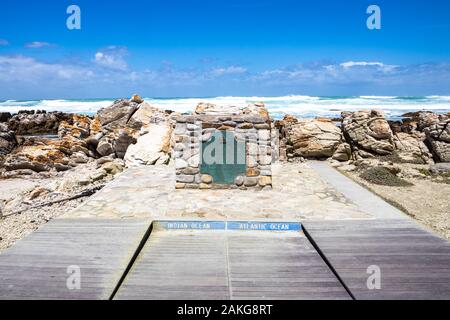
300, 106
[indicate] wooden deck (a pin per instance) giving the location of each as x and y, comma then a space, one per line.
37, 267
414, 264
229, 264
195, 260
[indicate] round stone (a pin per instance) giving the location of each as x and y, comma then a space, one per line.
265, 181
252, 172
239, 181
206, 178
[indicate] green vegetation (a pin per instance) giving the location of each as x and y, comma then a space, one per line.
395, 158
436, 177
382, 176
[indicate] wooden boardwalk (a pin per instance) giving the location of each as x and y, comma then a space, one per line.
220, 264
121, 259
40, 266
414, 264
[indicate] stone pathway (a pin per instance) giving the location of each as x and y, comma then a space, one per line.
299, 194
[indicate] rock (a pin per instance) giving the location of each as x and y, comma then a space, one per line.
252, 172
136, 98
440, 168
311, 138
5, 116
124, 139
99, 175
37, 192
105, 146
150, 147
113, 168
437, 132
76, 126
441, 150
145, 115
118, 114
37, 122
206, 178
368, 131
38, 155
343, 152
104, 160
265, 181
239, 180
79, 157
250, 181
8, 139
411, 147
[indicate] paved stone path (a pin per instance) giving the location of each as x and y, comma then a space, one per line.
299, 193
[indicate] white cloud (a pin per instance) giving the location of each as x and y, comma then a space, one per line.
380, 65
29, 70
112, 57
4, 42
38, 44
228, 70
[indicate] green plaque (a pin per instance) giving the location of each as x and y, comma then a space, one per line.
223, 157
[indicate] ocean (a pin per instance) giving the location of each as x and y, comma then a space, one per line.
300, 106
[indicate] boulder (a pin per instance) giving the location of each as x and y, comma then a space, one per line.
5, 116
411, 147
136, 98
151, 148
40, 156
437, 132
77, 126
368, 131
37, 122
343, 152
311, 138
8, 139
116, 115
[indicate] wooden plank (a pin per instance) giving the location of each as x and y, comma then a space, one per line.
36, 267
414, 263
225, 264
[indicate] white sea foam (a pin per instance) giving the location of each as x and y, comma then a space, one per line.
298, 105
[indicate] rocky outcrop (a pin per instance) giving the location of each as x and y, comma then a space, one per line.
309, 138
435, 129
39, 155
8, 140
37, 122
153, 147
368, 133
410, 147
119, 125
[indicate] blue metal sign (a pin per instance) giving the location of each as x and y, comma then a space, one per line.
230, 225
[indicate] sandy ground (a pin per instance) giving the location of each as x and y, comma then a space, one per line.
21, 213
426, 201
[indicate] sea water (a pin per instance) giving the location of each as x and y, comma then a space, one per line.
299, 106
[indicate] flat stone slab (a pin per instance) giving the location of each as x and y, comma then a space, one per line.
413, 263
40, 266
191, 264
299, 194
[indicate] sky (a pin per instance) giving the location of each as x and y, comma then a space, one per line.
196, 48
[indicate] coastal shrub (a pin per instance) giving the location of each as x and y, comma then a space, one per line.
382, 176
395, 158
436, 177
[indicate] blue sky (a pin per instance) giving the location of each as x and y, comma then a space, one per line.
234, 47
